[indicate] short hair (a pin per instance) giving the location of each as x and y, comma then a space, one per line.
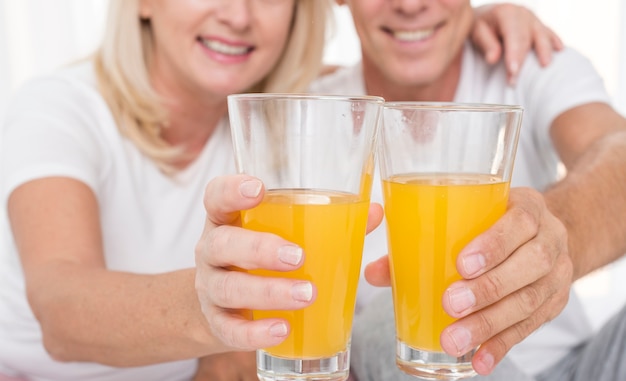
123, 58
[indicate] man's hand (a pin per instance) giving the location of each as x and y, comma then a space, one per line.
517, 276
230, 366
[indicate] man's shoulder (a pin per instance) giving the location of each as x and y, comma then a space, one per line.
346, 80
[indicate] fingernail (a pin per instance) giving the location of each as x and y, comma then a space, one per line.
513, 67
474, 263
302, 292
461, 299
250, 188
461, 338
487, 361
278, 330
290, 254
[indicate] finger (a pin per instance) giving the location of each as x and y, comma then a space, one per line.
233, 246
513, 24
531, 262
374, 216
463, 335
557, 43
517, 43
226, 196
509, 321
519, 224
486, 39
240, 290
377, 272
493, 350
475, 329
527, 265
543, 50
242, 334
546, 42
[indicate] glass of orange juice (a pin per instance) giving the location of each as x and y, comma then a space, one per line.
446, 170
315, 156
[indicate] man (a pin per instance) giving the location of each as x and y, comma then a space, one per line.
517, 275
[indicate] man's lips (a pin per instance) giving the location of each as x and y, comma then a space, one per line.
410, 35
222, 47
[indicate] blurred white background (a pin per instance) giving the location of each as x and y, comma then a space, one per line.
37, 36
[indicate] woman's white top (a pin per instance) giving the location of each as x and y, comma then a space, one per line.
59, 125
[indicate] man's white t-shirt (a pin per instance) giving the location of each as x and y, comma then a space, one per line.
60, 126
545, 93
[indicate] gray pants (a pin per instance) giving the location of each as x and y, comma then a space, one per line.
603, 358
373, 352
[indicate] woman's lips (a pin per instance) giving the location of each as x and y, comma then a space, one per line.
225, 48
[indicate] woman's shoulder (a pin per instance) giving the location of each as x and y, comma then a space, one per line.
77, 78
72, 89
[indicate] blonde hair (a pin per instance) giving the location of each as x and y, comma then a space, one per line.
123, 59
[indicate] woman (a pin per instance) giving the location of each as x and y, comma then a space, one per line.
104, 171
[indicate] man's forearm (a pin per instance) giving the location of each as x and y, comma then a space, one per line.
591, 202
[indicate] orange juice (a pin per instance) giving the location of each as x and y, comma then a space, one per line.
430, 219
330, 227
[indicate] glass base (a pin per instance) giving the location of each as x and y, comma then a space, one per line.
433, 365
272, 368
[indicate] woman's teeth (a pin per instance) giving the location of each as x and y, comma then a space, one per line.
414, 35
223, 48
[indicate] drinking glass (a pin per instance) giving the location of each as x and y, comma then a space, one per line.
446, 171
315, 156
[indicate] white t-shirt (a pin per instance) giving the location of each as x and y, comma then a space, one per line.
569, 81
60, 126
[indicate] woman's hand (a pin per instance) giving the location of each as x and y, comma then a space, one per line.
224, 291
225, 249
515, 30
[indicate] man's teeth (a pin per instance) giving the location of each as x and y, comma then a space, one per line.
414, 35
223, 48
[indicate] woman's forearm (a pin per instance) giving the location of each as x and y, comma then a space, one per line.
119, 319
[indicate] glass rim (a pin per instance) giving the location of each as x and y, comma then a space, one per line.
305, 96
452, 106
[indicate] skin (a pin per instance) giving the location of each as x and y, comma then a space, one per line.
517, 274
519, 38
247, 250
194, 78
405, 34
